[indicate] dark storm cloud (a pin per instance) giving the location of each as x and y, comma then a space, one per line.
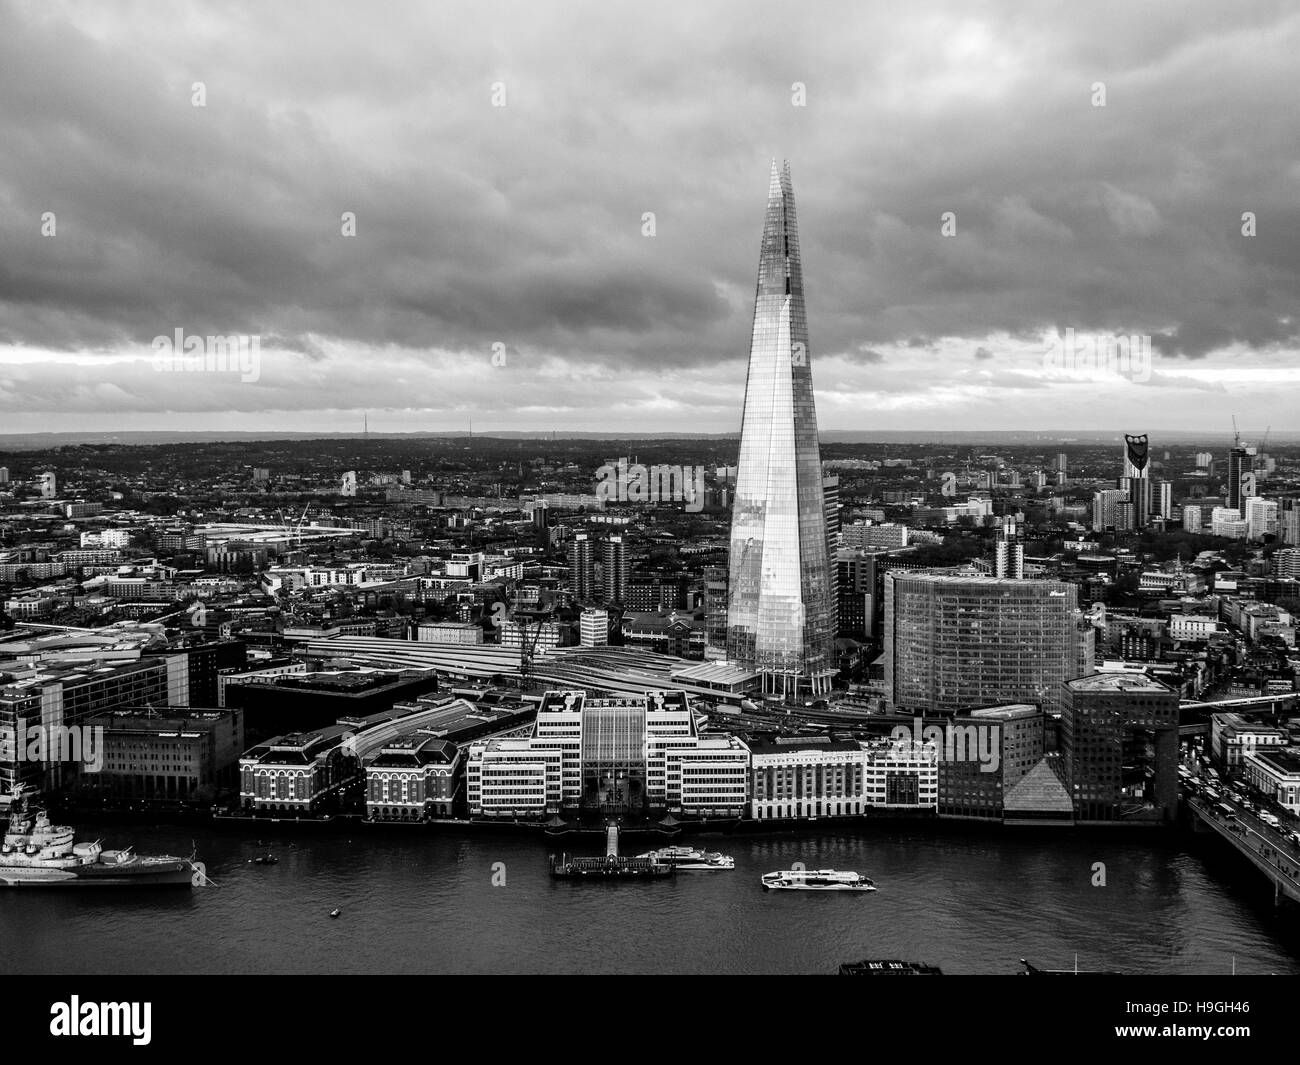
522, 225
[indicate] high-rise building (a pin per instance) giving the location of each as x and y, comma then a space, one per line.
1119, 735
1192, 519
1061, 464
1164, 499
1241, 475
780, 615
1286, 562
831, 495
1125, 516
952, 643
1261, 518
1136, 478
1104, 506
616, 567
1288, 522
1009, 552
593, 627
541, 519
853, 585
582, 567
4, 474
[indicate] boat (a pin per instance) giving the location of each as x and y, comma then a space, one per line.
265, 859
36, 853
817, 880
691, 859
888, 967
335, 913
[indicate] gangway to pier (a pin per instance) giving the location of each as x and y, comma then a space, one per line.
611, 841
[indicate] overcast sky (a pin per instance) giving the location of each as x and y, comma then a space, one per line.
518, 229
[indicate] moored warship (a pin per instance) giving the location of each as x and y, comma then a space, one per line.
36, 853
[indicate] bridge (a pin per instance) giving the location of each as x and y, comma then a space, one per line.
1249, 704
1266, 850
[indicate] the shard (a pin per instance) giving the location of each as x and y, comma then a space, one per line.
779, 598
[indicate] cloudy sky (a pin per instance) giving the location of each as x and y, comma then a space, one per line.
500, 273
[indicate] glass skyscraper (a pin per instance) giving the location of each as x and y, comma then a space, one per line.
779, 608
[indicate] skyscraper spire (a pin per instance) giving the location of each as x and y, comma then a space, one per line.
779, 606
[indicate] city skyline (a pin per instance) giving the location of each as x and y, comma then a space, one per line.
608, 269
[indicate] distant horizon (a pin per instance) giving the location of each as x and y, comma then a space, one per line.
15, 442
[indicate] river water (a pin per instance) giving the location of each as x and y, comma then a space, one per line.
417, 901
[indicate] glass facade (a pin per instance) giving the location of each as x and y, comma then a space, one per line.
780, 613
951, 643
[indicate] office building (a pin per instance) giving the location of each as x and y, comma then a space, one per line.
413, 778
1014, 735
1232, 737
1119, 737
780, 614
1276, 773
448, 632
56, 696
613, 755
166, 754
952, 643
593, 627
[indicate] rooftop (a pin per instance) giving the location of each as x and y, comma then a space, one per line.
1118, 682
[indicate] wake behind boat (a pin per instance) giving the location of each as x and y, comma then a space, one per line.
817, 880
36, 853
691, 859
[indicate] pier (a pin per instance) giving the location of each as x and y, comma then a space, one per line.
1266, 850
611, 866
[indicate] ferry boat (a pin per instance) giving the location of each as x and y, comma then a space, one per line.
817, 880
691, 859
36, 853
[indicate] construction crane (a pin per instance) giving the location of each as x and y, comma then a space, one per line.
530, 630
294, 531
1236, 436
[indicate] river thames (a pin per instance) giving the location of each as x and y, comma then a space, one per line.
416, 901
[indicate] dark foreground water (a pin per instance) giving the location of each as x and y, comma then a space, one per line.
424, 902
